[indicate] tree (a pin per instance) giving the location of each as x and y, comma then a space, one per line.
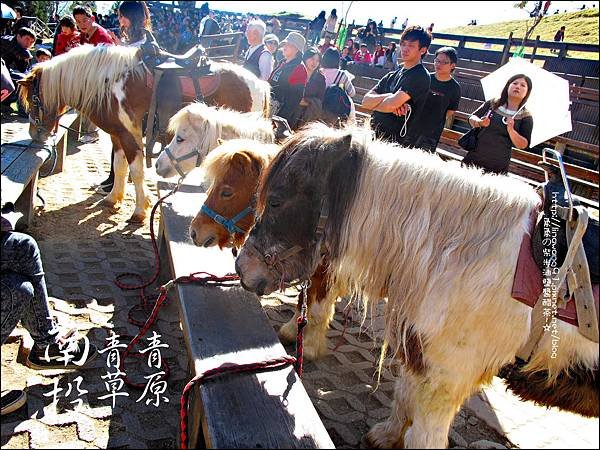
536, 15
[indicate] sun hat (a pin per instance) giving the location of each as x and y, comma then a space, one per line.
271, 38
295, 39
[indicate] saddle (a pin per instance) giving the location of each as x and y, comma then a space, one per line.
553, 193
563, 247
173, 79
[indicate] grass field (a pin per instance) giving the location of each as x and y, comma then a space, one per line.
581, 27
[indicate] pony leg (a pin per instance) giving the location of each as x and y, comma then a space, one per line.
390, 434
117, 193
142, 202
321, 307
132, 145
320, 313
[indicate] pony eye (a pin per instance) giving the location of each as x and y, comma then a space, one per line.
275, 203
226, 193
179, 139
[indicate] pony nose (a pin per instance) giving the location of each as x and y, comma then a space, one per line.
193, 235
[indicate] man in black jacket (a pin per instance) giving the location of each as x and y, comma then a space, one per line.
16, 55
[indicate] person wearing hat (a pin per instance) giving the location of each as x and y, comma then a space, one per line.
442, 100
289, 79
259, 59
272, 43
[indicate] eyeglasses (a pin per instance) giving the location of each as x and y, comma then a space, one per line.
440, 62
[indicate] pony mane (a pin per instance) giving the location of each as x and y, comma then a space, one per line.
420, 230
222, 122
83, 77
218, 162
313, 135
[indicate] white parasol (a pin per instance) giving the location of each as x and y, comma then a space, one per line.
548, 103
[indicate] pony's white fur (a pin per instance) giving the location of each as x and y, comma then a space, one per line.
202, 126
68, 80
259, 89
443, 242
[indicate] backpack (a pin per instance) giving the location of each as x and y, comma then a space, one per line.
336, 100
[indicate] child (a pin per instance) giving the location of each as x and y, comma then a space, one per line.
68, 38
42, 55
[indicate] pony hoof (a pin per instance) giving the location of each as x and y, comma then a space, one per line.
136, 218
378, 437
108, 203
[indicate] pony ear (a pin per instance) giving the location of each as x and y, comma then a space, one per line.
332, 152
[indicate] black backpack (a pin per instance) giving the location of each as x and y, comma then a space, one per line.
336, 100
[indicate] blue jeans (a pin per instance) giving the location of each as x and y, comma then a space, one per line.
24, 294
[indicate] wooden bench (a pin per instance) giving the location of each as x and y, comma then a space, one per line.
227, 325
21, 163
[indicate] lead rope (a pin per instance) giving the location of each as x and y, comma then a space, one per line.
144, 302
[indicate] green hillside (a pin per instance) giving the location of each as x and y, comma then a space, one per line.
581, 27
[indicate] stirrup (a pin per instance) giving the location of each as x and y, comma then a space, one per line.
563, 173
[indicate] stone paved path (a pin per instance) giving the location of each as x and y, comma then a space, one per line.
84, 247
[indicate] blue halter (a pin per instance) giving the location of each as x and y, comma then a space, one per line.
229, 224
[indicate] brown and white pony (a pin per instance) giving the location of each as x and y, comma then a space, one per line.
108, 84
233, 170
197, 129
441, 242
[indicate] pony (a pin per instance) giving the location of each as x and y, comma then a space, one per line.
440, 242
109, 85
196, 130
233, 171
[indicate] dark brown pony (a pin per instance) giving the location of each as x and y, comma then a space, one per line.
442, 242
233, 170
109, 84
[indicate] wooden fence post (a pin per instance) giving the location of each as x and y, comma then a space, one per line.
535, 47
506, 50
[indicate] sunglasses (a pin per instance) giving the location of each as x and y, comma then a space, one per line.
440, 62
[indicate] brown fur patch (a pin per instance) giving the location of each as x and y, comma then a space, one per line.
576, 390
236, 95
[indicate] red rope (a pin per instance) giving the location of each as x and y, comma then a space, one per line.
270, 364
302, 321
144, 304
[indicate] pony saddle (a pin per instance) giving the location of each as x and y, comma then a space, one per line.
554, 194
156, 58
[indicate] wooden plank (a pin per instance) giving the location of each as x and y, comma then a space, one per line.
225, 325
19, 167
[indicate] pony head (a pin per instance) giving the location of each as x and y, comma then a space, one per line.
295, 197
43, 114
197, 127
233, 170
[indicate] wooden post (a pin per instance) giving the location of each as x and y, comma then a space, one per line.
461, 42
535, 47
562, 53
506, 50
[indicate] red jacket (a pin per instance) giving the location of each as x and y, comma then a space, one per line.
99, 36
65, 42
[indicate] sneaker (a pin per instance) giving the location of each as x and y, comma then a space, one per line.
104, 189
12, 400
89, 138
70, 354
109, 181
